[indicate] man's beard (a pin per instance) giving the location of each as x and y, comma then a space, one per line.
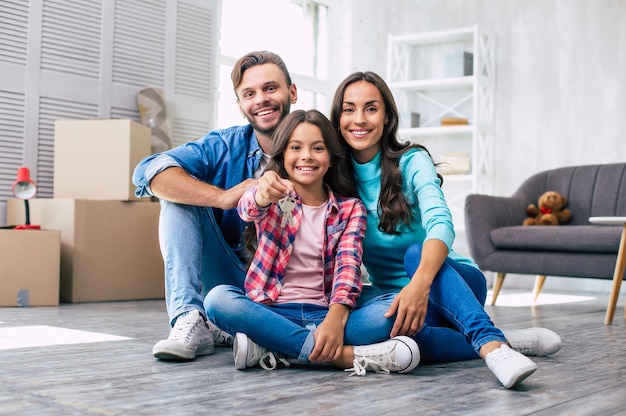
270, 130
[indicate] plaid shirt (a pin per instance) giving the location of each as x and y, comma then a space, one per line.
346, 219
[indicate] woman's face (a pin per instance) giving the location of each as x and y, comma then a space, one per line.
362, 120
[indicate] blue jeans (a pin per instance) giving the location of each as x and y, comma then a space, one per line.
195, 255
456, 324
288, 328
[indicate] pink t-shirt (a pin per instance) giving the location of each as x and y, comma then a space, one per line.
304, 275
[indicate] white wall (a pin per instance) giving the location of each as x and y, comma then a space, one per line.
363, 36
560, 77
560, 80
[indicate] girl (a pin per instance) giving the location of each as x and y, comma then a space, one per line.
304, 278
407, 247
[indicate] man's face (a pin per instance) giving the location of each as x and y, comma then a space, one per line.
264, 97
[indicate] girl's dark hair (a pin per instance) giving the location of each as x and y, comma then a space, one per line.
338, 177
393, 208
340, 180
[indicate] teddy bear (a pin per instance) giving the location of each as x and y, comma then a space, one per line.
550, 211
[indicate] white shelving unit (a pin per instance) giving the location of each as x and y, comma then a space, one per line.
415, 71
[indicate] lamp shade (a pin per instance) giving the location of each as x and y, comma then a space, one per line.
24, 187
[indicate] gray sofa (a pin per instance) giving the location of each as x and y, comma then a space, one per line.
499, 243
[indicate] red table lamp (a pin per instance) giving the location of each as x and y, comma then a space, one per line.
24, 188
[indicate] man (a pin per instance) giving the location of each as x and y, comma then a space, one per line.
199, 184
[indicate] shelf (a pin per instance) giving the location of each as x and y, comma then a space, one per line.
456, 178
441, 36
435, 84
435, 97
436, 131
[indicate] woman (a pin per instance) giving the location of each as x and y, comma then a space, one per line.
408, 243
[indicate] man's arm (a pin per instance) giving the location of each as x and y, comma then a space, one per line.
176, 185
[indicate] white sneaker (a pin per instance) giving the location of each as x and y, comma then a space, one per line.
190, 337
221, 338
398, 355
533, 341
509, 366
250, 354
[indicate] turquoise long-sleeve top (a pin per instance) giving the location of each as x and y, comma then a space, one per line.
383, 254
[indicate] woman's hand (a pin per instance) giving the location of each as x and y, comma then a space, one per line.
410, 304
272, 188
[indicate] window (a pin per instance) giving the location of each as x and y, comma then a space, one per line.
297, 30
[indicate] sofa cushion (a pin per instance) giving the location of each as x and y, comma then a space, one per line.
573, 238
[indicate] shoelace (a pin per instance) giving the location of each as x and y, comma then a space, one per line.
357, 369
380, 365
184, 330
526, 348
501, 354
273, 360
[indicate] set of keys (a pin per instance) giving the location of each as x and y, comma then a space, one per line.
287, 204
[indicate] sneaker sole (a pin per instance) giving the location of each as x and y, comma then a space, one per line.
412, 345
520, 376
240, 350
168, 354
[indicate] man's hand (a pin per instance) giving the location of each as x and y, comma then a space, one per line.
176, 185
231, 196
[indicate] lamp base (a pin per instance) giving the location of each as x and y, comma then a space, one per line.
27, 227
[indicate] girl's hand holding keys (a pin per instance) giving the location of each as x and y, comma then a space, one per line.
272, 188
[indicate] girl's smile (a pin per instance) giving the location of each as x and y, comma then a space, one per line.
307, 160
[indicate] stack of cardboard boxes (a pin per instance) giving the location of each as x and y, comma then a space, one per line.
109, 238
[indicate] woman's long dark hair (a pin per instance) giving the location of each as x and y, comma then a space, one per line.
393, 207
340, 180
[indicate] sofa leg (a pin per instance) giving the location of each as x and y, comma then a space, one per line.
618, 276
497, 285
539, 281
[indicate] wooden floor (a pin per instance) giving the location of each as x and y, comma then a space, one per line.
587, 377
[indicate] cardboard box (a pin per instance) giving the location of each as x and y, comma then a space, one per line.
29, 267
95, 159
109, 249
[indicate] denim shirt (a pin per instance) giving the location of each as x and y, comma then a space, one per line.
223, 158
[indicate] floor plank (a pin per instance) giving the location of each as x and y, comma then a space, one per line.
587, 377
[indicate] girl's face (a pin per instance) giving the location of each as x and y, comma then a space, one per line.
363, 118
306, 157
